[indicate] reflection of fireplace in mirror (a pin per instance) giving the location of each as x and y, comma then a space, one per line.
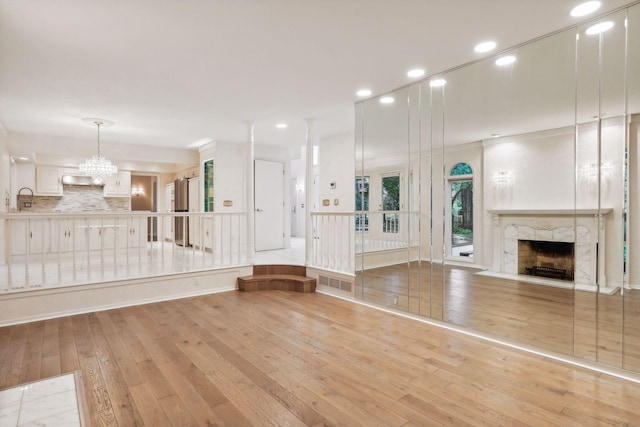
554, 260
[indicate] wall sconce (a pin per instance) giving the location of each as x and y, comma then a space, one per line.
137, 191
503, 178
590, 171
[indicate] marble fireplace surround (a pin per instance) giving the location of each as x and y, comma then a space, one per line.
552, 225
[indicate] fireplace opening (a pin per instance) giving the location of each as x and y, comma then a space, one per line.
554, 260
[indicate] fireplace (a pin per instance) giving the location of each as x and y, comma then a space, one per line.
585, 229
550, 259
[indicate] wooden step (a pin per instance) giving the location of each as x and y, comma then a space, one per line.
277, 277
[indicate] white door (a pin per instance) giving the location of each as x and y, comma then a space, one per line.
294, 207
269, 205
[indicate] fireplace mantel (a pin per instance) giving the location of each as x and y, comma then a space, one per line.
549, 212
586, 228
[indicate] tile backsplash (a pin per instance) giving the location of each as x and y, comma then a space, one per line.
78, 198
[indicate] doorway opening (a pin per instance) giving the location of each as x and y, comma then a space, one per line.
144, 197
461, 226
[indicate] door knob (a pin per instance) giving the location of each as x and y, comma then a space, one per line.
258, 210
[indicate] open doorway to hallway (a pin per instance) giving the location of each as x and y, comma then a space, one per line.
290, 184
144, 198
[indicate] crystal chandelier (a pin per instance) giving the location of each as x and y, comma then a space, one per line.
98, 166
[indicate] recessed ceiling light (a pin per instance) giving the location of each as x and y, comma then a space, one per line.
599, 28
485, 47
437, 82
364, 92
495, 135
505, 60
585, 8
416, 72
281, 125
387, 100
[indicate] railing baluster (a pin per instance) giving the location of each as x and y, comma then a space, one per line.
75, 248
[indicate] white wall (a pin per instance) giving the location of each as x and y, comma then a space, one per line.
298, 171
544, 177
336, 161
5, 189
542, 167
229, 175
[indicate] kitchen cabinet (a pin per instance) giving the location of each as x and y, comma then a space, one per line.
101, 234
62, 234
48, 181
118, 185
134, 234
22, 175
28, 236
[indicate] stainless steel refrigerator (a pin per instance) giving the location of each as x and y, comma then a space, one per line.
181, 204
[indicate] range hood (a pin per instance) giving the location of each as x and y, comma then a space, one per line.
81, 180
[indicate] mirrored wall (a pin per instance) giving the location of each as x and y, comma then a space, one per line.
502, 196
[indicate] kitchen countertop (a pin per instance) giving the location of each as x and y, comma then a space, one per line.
96, 214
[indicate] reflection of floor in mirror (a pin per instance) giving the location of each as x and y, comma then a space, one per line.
539, 315
565, 284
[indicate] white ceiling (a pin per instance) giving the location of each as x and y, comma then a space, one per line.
170, 72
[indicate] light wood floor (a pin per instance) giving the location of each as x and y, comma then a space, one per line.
595, 327
284, 358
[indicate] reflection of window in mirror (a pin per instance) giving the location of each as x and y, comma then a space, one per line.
461, 185
362, 203
208, 186
390, 202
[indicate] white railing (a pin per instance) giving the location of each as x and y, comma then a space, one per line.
333, 247
339, 236
42, 250
384, 230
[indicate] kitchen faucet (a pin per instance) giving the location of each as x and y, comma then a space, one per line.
24, 204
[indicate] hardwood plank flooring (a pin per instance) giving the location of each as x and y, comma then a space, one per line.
277, 358
543, 316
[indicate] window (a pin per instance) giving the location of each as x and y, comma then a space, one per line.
461, 184
208, 186
362, 203
390, 202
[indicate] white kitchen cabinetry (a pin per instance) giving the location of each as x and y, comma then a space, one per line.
100, 234
62, 234
28, 236
118, 185
23, 175
134, 234
48, 181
